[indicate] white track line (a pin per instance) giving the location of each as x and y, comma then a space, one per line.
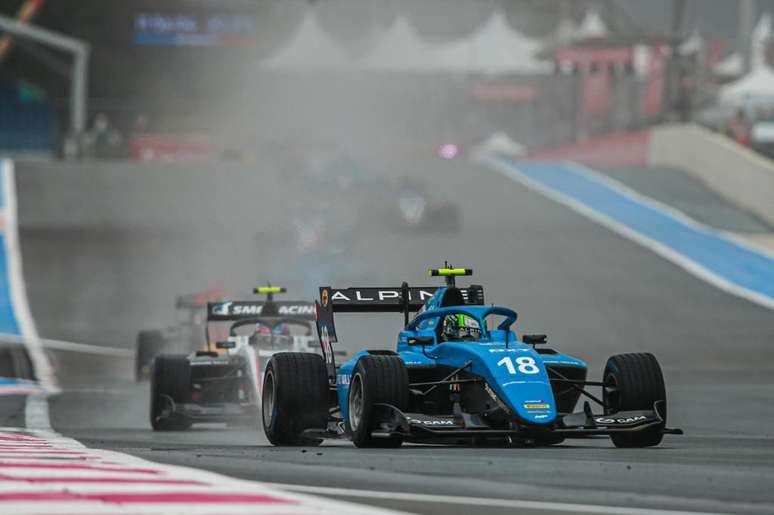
82, 348
484, 501
36, 412
691, 266
85, 348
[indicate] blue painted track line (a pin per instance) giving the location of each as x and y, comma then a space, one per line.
16, 324
703, 251
8, 322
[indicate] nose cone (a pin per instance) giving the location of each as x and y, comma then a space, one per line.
533, 401
515, 373
522, 380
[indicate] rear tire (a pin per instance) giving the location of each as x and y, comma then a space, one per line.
294, 398
638, 385
170, 381
149, 345
376, 379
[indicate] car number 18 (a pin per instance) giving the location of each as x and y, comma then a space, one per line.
524, 364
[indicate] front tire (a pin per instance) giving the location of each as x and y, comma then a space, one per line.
634, 382
170, 383
294, 398
376, 379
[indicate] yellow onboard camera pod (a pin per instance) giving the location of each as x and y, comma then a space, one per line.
269, 289
445, 272
449, 273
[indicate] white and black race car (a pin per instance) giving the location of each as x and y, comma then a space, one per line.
186, 335
222, 383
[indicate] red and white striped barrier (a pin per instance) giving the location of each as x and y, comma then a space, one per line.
44, 473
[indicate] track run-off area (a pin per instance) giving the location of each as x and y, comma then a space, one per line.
575, 255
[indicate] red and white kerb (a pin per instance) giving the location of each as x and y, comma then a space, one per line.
44, 473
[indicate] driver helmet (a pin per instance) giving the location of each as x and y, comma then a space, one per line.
461, 327
281, 329
262, 329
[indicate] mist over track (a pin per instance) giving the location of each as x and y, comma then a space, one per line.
107, 247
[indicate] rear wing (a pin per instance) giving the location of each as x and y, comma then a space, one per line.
375, 299
190, 301
403, 299
240, 309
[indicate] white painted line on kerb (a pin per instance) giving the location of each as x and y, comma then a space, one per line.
484, 501
36, 412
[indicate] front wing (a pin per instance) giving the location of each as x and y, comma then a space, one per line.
421, 427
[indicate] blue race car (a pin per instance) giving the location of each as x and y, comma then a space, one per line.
459, 374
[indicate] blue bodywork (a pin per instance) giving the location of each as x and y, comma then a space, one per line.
515, 371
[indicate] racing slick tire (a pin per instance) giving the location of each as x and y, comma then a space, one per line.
634, 382
150, 343
295, 398
376, 379
170, 381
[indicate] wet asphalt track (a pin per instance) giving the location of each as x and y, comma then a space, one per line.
592, 291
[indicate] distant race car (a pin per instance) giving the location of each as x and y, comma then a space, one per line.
186, 336
459, 375
401, 201
223, 385
419, 212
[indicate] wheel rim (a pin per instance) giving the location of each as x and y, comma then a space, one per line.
267, 401
356, 402
611, 395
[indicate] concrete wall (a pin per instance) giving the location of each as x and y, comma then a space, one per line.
740, 175
94, 195
617, 150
